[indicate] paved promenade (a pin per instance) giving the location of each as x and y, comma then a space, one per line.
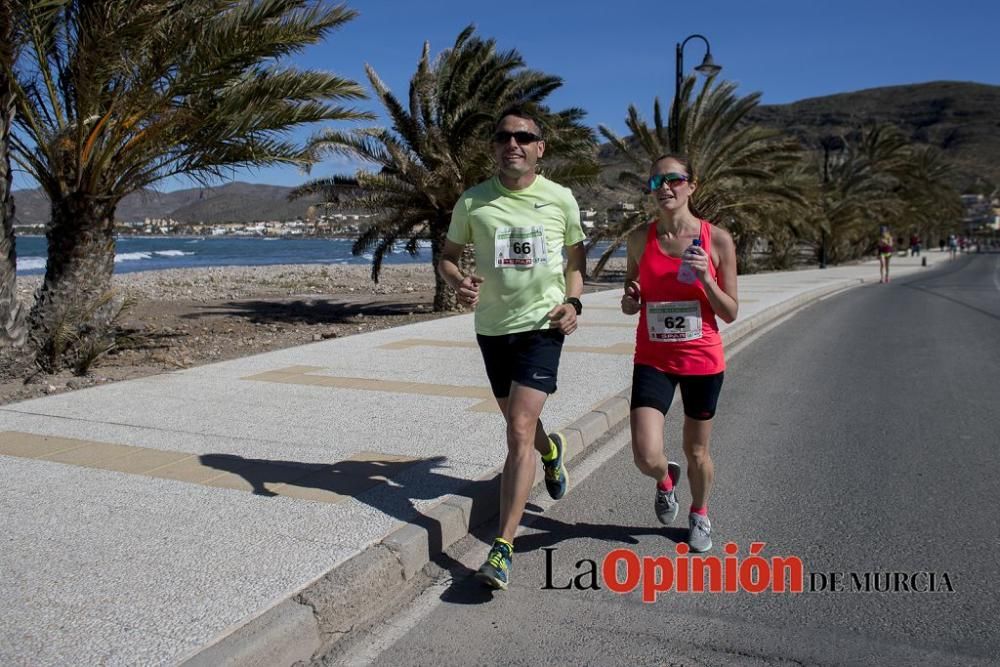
249, 511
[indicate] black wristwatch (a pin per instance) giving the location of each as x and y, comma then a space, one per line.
573, 301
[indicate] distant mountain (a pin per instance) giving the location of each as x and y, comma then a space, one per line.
31, 207
962, 119
243, 202
233, 202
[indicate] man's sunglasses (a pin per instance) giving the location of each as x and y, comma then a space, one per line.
670, 178
522, 138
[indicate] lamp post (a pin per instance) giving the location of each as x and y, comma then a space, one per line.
707, 67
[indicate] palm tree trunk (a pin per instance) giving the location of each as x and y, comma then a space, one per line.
744, 252
73, 305
445, 298
12, 315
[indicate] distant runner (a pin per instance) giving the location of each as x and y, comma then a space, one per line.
885, 250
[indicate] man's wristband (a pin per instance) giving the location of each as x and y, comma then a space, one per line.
573, 301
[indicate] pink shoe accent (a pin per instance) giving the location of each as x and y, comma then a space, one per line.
670, 481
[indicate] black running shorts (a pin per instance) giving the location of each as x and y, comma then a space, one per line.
530, 358
652, 388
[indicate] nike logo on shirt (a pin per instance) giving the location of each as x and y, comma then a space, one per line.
537, 205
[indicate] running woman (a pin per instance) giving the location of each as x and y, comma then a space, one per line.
885, 249
526, 302
677, 339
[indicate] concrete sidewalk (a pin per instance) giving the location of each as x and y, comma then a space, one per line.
251, 511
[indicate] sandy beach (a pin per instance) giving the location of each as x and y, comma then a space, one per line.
190, 317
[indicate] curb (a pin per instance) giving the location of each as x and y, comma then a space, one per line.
357, 591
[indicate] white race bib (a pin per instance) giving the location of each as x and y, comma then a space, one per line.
520, 247
673, 321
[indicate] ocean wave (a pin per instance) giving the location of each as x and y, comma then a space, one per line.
30, 263
172, 253
132, 256
400, 246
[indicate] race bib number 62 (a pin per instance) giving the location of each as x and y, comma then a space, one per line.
673, 321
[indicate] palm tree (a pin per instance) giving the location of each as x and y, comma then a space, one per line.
880, 178
857, 190
11, 322
932, 206
740, 166
115, 95
439, 146
919, 175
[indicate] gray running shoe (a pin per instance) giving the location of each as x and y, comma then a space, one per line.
665, 504
700, 539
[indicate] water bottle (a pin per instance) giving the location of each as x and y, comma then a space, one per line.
686, 274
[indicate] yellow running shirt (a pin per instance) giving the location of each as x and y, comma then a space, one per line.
518, 237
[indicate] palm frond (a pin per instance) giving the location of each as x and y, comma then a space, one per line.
438, 144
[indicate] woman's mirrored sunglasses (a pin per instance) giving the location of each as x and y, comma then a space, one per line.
670, 178
522, 138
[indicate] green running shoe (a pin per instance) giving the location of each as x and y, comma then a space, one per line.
556, 477
495, 572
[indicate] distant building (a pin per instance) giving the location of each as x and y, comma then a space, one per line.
978, 213
621, 211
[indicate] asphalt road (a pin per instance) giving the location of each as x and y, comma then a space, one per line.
859, 435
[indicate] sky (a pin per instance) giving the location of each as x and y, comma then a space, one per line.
614, 53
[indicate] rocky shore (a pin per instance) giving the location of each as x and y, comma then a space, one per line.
236, 282
189, 317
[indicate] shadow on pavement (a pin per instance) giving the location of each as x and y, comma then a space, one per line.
555, 531
466, 590
311, 311
376, 483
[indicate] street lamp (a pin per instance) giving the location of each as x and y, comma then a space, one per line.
707, 67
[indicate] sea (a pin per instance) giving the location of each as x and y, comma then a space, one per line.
155, 253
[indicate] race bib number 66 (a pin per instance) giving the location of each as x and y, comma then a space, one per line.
520, 247
673, 321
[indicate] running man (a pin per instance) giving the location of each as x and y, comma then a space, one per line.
526, 302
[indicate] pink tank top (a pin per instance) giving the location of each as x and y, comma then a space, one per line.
668, 337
